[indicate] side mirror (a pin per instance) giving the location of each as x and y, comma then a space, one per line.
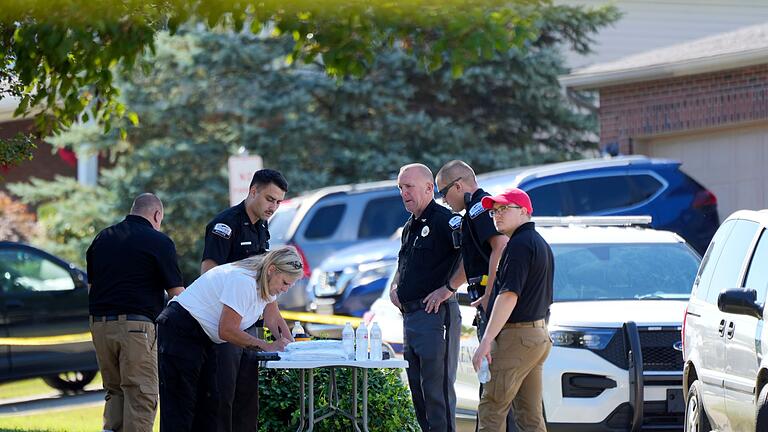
740, 301
79, 278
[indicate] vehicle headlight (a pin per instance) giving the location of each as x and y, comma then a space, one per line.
370, 272
333, 283
581, 337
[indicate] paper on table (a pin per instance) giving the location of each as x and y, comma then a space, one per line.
314, 350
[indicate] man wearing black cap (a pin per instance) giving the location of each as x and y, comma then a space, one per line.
236, 233
519, 306
423, 292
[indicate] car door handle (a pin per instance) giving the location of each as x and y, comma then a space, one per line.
731, 329
14, 304
721, 327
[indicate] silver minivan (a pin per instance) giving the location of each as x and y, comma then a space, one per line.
726, 368
324, 221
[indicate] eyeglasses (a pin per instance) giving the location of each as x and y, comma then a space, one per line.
442, 192
296, 264
502, 209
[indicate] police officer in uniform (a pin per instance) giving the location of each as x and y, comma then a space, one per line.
424, 292
516, 341
130, 266
236, 233
481, 244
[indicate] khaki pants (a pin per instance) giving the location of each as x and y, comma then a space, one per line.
517, 356
127, 356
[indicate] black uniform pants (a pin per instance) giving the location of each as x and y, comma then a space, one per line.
188, 389
238, 379
431, 347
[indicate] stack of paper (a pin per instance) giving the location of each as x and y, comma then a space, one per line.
314, 350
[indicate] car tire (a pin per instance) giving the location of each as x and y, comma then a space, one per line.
695, 417
761, 422
70, 382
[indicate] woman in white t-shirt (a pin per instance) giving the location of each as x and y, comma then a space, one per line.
216, 308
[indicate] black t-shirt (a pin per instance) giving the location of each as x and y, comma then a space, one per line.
130, 265
427, 254
527, 268
231, 236
476, 229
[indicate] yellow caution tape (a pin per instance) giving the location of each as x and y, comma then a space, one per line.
46, 340
319, 318
86, 337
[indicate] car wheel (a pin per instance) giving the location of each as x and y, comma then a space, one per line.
695, 418
762, 410
70, 382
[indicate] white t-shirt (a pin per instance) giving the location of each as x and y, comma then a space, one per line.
223, 285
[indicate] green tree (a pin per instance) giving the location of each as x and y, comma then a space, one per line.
207, 94
60, 56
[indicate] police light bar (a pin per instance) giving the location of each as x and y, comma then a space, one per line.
593, 220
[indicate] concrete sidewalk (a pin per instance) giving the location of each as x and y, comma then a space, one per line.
53, 401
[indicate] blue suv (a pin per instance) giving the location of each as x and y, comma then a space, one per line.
620, 186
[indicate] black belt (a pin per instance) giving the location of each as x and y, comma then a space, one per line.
418, 305
122, 317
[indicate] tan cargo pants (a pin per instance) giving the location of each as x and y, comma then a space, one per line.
517, 356
127, 356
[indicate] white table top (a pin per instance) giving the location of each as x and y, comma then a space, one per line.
311, 364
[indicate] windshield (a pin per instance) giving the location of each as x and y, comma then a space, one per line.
623, 271
279, 223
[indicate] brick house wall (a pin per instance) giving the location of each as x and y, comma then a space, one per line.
45, 163
630, 112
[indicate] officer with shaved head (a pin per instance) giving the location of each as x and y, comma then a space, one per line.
130, 267
481, 244
424, 291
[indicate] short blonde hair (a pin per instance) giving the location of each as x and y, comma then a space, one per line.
285, 259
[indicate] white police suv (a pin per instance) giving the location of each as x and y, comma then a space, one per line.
620, 294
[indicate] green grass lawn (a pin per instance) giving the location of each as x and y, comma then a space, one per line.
86, 419
79, 419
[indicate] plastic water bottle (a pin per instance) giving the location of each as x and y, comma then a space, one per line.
361, 350
348, 341
297, 329
375, 342
484, 373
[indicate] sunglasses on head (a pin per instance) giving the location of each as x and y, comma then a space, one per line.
296, 264
442, 192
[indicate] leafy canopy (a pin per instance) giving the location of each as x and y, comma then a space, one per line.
60, 56
208, 93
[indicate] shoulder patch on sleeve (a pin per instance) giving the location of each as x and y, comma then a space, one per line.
476, 210
455, 222
222, 230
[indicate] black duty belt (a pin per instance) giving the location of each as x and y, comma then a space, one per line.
122, 317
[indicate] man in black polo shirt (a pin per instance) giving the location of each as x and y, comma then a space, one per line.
519, 307
234, 234
130, 265
481, 244
424, 293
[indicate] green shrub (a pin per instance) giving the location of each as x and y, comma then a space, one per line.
389, 402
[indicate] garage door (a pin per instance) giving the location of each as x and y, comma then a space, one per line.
730, 163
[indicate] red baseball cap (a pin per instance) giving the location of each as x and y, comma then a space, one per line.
512, 196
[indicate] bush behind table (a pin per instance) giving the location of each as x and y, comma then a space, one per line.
389, 403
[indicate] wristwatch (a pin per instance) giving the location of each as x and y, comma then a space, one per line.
448, 287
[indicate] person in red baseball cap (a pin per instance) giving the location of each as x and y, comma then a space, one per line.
516, 341
512, 199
